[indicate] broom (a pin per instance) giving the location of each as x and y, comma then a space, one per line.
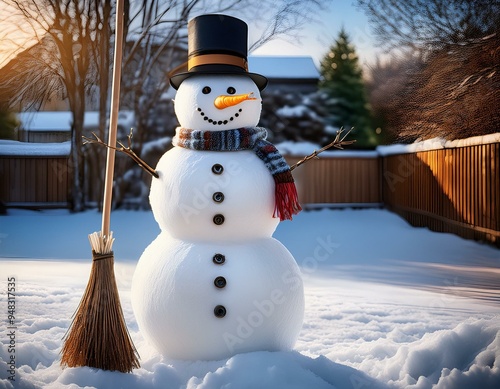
98, 336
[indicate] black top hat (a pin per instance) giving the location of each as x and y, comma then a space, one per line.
217, 44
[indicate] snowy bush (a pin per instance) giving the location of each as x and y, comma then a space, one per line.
295, 117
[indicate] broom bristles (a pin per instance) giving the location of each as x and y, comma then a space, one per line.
98, 336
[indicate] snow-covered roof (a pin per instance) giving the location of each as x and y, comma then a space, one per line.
61, 120
14, 148
295, 67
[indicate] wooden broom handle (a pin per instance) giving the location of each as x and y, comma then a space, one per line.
113, 121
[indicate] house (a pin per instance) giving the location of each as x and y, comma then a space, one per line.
286, 73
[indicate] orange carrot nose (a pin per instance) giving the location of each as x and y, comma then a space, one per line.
225, 101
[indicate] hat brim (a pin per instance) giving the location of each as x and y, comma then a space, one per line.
259, 79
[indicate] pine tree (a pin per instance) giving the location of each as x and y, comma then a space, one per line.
342, 81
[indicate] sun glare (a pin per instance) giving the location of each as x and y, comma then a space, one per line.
14, 36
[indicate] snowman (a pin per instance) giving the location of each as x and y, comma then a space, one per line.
215, 282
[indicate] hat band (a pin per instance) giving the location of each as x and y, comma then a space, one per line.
219, 59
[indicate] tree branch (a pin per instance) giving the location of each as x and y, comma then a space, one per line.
338, 142
126, 150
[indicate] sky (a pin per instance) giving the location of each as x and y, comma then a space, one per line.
319, 36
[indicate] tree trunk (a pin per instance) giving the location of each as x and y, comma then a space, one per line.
77, 107
78, 204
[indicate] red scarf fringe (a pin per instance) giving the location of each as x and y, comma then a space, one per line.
286, 201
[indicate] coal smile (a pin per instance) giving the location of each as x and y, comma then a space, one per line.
219, 122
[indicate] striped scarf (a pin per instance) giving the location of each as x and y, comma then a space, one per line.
286, 199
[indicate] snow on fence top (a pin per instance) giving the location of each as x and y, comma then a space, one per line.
437, 143
13, 148
300, 149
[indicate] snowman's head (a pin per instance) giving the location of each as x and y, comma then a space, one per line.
218, 102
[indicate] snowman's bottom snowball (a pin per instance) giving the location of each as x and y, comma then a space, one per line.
174, 296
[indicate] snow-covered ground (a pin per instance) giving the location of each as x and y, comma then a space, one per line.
387, 306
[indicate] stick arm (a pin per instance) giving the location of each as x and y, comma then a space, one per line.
123, 149
338, 143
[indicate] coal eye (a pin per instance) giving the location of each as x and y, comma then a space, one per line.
206, 90
231, 90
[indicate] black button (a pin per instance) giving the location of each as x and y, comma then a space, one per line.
220, 282
219, 219
217, 168
220, 311
218, 197
219, 259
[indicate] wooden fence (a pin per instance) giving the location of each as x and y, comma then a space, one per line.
453, 190
35, 181
349, 180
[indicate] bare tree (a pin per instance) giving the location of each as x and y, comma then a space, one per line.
60, 63
430, 24
283, 19
452, 90
456, 93
387, 88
